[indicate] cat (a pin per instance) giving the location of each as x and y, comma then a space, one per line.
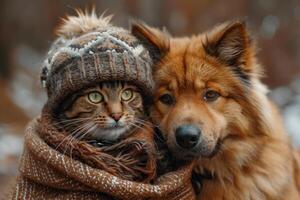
108, 112
105, 112
110, 116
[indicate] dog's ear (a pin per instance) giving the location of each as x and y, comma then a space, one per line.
230, 43
155, 40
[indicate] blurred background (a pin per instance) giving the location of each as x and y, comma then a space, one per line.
27, 29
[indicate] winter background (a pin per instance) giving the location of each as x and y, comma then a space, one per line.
27, 31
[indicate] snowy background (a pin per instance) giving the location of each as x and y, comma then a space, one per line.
27, 31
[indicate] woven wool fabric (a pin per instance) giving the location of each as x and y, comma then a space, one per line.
106, 53
45, 173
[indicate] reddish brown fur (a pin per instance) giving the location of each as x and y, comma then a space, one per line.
255, 159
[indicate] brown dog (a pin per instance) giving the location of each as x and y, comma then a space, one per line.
210, 105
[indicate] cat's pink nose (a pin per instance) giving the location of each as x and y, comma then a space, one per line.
116, 116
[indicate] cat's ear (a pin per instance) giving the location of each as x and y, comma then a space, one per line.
155, 40
230, 43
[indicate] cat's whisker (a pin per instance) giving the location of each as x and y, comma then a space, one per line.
64, 122
75, 119
79, 124
91, 128
71, 136
68, 127
65, 139
147, 122
87, 128
78, 132
138, 126
72, 119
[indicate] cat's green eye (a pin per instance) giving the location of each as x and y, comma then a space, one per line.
127, 95
95, 97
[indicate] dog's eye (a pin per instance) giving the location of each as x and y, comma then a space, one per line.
166, 99
211, 95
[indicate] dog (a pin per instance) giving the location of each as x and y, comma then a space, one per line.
211, 106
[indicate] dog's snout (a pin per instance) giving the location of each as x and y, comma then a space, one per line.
187, 136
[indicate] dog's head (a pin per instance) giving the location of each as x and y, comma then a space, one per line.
203, 87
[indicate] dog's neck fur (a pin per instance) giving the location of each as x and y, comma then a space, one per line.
242, 169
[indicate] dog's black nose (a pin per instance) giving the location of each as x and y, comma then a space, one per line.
187, 136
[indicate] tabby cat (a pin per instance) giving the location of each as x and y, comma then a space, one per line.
105, 112
105, 115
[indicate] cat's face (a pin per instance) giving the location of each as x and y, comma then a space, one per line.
104, 112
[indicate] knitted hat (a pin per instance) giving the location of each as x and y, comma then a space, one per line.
90, 50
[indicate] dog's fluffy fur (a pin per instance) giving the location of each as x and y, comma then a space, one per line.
243, 145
